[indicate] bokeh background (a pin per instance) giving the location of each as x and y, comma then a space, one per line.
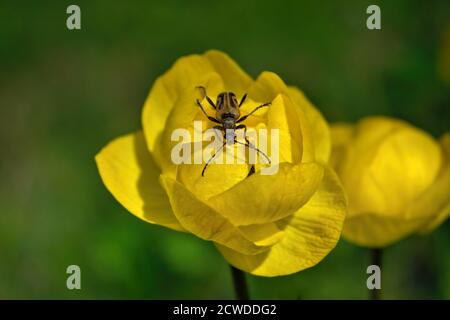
64, 94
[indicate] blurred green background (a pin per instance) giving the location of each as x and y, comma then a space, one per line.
64, 94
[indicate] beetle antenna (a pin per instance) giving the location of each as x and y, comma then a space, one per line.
212, 157
255, 148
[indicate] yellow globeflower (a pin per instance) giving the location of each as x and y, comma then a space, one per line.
397, 178
267, 225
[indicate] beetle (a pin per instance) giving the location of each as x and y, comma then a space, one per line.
228, 118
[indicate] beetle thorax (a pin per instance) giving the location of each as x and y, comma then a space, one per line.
229, 136
229, 123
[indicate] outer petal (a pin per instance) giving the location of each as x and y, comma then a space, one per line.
319, 127
377, 231
217, 178
129, 173
234, 78
185, 73
436, 200
309, 235
266, 198
263, 234
205, 222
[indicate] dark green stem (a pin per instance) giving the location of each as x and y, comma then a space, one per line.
377, 257
240, 285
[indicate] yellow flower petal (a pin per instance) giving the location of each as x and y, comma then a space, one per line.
187, 72
406, 164
129, 173
441, 216
266, 198
309, 235
234, 78
436, 200
203, 221
319, 127
263, 234
378, 231
282, 116
217, 178
266, 88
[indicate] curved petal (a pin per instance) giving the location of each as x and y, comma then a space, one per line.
266, 198
234, 78
319, 127
309, 235
203, 221
281, 116
129, 173
263, 234
441, 216
378, 231
435, 202
266, 88
217, 178
186, 72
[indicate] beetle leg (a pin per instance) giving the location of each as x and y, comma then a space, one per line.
220, 129
211, 103
243, 126
216, 128
203, 89
252, 167
259, 107
252, 171
204, 112
242, 100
